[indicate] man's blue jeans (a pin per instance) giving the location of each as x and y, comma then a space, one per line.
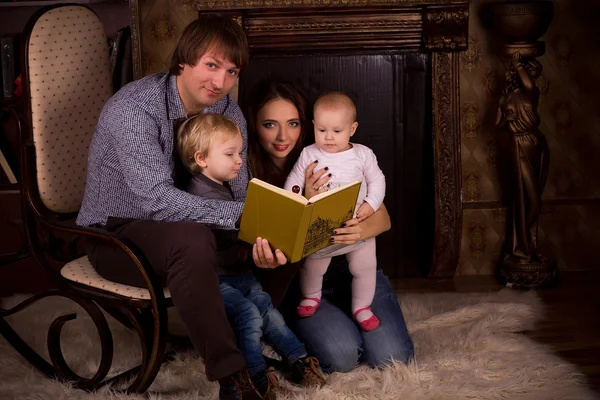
252, 316
334, 338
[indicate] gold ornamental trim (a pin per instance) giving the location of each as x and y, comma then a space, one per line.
249, 4
444, 28
334, 25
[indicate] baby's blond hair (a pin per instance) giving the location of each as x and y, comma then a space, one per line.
336, 100
198, 133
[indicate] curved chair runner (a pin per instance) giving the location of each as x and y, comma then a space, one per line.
67, 81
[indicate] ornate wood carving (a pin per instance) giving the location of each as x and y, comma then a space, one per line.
519, 25
339, 25
318, 30
266, 4
447, 164
443, 28
136, 42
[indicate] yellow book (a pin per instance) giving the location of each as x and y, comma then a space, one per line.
291, 223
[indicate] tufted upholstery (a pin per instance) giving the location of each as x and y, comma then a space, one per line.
66, 99
81, 271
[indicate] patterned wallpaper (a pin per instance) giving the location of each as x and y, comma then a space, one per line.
570, 119
570, 223
161, 24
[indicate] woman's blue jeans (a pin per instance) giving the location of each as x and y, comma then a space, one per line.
337, 341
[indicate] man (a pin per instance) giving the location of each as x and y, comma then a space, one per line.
130, 190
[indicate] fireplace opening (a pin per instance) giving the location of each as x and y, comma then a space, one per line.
405, 51
393, 96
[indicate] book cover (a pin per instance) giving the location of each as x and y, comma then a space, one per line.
290, 222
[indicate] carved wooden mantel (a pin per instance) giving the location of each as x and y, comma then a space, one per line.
438, 27
303, 25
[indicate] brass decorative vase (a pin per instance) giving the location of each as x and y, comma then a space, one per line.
518, 25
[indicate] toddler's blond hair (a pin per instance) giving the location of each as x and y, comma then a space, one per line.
198, 133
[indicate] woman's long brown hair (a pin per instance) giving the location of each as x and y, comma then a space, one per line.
260, 163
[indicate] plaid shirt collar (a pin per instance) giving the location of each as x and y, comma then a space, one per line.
175, 108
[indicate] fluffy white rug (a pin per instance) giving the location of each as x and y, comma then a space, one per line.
467, 347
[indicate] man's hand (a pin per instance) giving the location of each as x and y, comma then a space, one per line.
364, 211
264, 257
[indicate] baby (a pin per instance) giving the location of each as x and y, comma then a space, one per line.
210, 146
335, 122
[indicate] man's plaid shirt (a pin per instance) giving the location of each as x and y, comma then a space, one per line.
131, 166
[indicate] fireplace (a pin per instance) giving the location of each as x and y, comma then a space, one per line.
398, 60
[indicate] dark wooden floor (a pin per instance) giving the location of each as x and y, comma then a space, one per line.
571, 325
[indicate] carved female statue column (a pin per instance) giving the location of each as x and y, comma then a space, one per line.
519, 25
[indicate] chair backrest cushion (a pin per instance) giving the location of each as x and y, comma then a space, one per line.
69, 81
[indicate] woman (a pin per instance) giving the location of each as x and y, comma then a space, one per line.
278, 126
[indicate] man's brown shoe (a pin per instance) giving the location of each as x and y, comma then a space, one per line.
238, 386
306, 372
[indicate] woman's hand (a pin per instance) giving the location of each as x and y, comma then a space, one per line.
315, 183
350, 233
353, 230
264, 257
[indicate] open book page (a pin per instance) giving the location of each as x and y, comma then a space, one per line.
329, 213
328, 193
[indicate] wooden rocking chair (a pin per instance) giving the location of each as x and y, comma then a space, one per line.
66, 75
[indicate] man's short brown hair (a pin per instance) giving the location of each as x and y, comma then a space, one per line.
211, 32
198, 133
